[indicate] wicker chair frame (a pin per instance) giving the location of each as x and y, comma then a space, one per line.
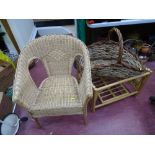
60, 93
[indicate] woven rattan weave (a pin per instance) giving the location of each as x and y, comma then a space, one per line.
109, 58
60, 93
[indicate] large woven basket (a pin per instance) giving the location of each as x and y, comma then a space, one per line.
110, 59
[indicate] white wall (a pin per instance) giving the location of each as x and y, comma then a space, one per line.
22, 30
25, 31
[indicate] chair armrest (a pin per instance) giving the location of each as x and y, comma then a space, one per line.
25, 98
24, 89
85, 85
85, 89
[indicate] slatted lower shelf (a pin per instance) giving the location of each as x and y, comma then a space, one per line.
108, 90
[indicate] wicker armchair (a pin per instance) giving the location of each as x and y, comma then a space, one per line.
60, 93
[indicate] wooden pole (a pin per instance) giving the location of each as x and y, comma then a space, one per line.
10, 34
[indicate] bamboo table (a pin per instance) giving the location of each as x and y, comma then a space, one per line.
106, 91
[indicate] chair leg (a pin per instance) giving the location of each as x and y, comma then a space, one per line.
85, 119
85, 111
37, 122
95, 95
85, 115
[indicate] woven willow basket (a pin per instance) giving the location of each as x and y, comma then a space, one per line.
110, 59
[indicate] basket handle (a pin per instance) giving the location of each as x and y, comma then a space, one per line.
120, 38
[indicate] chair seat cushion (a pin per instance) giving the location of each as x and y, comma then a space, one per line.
58, 95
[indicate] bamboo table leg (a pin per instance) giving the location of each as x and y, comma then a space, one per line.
142, 82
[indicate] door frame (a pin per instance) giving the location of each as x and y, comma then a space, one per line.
10, 34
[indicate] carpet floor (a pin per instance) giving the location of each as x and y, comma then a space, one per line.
131, 116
